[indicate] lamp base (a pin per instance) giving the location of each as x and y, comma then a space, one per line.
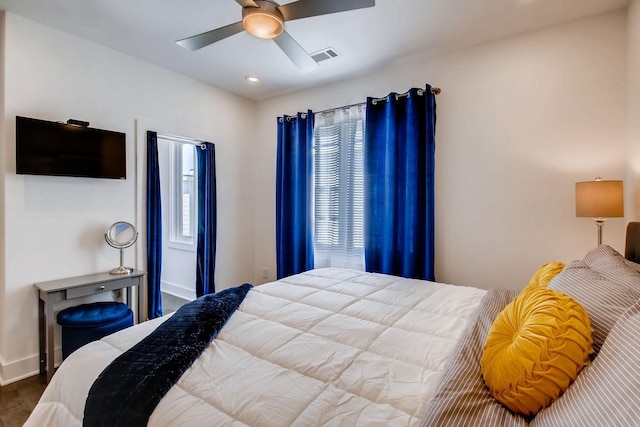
600, 224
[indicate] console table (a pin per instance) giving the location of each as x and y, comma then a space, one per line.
76, 287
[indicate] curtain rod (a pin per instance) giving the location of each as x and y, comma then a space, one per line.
434, 90
183, 140
339, 108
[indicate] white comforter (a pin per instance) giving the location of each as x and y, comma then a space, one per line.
326, 347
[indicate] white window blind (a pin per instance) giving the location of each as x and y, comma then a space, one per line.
338, 143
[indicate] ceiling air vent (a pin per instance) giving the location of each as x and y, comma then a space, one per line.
324, 54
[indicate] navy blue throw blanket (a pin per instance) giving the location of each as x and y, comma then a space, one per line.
128, 390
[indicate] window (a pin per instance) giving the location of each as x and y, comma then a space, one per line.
183, 209
338, 144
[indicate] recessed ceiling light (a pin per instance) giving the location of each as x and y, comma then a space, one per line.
252, 79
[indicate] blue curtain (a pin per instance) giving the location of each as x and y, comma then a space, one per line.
154, 228
399, 184
207, 220
294, 194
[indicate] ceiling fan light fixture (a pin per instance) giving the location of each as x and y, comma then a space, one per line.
266, 18
264, 22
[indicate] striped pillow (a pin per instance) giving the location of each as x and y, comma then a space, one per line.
598, 252
606, 393
612, 265
462, 398
604, 299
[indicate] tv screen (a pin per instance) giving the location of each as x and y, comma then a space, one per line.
54, 148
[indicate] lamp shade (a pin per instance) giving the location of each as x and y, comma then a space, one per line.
599, 199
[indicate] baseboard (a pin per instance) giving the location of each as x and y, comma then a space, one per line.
23, 368
178, 291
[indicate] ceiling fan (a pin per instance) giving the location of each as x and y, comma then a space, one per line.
266, 19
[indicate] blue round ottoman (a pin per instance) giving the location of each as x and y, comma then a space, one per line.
84, 323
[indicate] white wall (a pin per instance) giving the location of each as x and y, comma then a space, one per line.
53, 227
633, 55
520, 120
2, 173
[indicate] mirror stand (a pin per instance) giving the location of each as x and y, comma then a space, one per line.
122, 269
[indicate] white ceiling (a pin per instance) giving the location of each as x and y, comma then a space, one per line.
365, 38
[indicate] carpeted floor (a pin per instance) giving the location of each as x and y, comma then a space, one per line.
18, 399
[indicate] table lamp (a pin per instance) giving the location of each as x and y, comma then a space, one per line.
599, 200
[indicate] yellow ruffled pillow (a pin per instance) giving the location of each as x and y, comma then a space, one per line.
543, 275
535, 349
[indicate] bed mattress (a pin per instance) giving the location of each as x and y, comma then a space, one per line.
325, 347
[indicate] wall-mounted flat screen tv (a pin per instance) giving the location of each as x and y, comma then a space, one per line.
54, 148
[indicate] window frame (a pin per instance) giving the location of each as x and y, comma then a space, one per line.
176, 238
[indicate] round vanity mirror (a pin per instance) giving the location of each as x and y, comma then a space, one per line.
121, 235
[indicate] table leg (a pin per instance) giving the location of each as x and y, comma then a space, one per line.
50, 338
129, 300
141, 300
42, 336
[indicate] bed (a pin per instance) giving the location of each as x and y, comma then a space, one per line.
344, 348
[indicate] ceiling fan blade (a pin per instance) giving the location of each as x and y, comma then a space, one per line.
295, 52
306, 8
205, 39
247, 3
